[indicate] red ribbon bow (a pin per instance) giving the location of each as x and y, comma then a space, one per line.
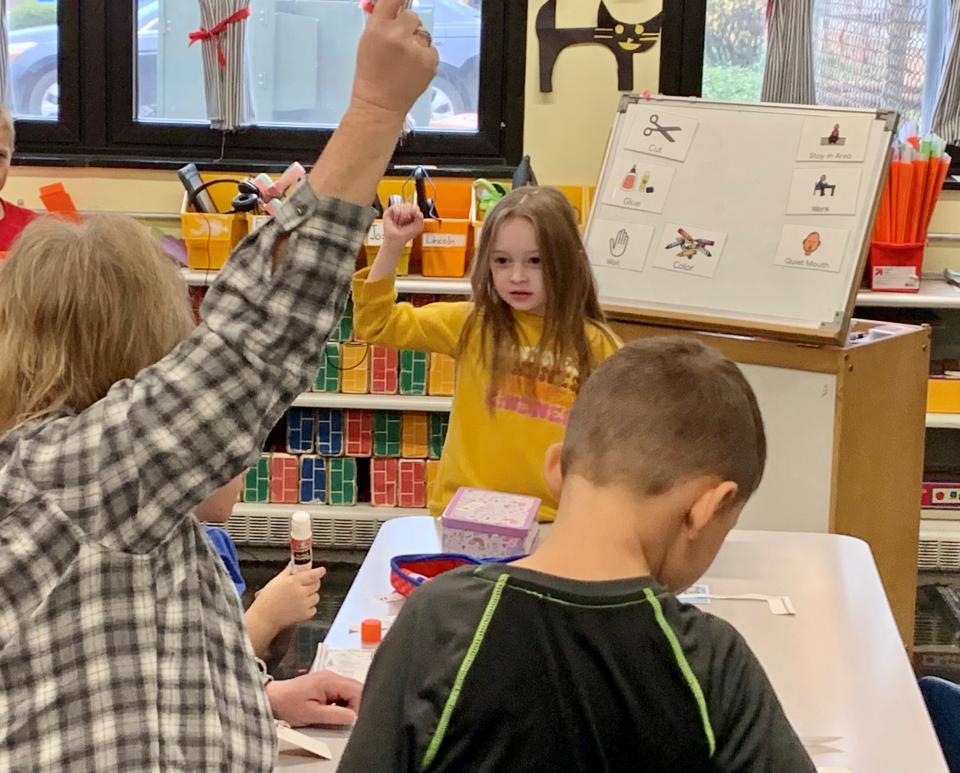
214, 34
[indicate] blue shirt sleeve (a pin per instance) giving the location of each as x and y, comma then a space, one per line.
227, 550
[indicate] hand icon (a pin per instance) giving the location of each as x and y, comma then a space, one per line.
618, 245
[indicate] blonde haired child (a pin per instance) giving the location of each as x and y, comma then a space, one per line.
532, 333
121, 644
13, 219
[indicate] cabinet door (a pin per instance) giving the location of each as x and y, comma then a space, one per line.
799, 409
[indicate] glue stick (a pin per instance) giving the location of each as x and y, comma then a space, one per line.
301, 542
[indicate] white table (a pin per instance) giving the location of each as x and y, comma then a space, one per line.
838, 666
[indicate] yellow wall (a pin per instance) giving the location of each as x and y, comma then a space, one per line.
565, 132
109, 190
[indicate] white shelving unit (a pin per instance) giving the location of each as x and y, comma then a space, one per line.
939, 549
333, 526
935, 293
425, 285
943, 420
433, 285
428, 404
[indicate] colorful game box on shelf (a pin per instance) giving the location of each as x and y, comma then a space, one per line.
412, 488
443, 374
359, 433
344, 330
332, 456
328, 377
384, 370
329, 431
354, 368
342, 481
439, 422
383, 482
284, 478
415, 435
386, 433
432, 469
256, 486
488, 524
413, 372
313, 479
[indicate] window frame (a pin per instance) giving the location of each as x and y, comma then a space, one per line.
97, 126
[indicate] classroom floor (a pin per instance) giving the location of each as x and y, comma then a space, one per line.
259, 569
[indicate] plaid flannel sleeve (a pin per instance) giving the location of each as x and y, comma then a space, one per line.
158, 444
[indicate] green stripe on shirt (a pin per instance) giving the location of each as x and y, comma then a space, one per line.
465, 665
684, 667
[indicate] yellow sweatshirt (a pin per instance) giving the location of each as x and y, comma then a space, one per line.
500, 449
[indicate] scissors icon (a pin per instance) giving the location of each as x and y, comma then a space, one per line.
656, 127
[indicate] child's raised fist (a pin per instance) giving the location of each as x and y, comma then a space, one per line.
402, 223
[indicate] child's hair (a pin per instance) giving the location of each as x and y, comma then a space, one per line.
662, 411
567, 278
82, 307
6, 122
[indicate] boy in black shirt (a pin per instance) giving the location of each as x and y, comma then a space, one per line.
580, 657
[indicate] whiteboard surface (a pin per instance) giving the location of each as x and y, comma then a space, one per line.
731, 175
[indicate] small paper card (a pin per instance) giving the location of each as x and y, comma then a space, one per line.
304, 741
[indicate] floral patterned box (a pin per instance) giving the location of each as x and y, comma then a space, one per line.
489, 524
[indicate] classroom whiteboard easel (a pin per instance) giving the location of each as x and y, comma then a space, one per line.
747, 218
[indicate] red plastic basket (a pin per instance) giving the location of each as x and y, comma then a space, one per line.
895, 268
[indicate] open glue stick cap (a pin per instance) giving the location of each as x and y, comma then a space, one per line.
300, 525
370, 631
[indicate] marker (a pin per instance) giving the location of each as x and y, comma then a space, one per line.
301, 542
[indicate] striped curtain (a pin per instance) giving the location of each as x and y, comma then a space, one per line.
6, 87
946, 114
788, 74
222, 35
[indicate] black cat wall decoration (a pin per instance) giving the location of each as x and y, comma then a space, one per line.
623, 38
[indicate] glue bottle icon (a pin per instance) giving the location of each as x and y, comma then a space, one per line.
630, 180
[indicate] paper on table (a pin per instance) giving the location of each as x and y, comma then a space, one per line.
303, 741
354, 663
695, 594
700, 594
833, 770
779, 605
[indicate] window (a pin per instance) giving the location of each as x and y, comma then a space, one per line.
734, 48
866, 53
132, 93
32, 52
300, 58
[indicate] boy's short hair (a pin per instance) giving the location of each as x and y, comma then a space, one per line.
662, 411
6, 122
